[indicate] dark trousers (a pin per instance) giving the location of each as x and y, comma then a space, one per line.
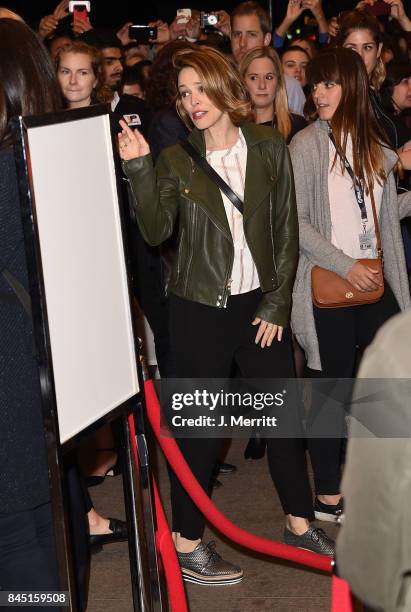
206, 342
27, 551
342, 333
28, 559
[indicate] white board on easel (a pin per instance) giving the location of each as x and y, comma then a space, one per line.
83, 265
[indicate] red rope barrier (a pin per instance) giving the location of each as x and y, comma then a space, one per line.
165, 544
208, 508
341, 600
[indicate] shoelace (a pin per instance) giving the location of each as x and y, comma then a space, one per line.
212, 553
318, 535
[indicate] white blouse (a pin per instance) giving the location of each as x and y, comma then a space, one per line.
231, 165
346, 222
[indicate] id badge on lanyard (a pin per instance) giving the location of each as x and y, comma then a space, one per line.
364, 238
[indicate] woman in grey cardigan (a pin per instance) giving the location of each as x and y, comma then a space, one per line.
336, 230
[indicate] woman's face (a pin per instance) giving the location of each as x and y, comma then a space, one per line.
326, 96
362, 42
401, 95
77, 79
202, 111
261, 82
294, 64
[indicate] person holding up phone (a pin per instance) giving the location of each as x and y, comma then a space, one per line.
295, 9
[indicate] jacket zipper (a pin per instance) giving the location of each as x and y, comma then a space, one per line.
227, 284
192, 215
272, 236
180, 247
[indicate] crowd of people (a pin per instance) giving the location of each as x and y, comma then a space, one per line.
305, 147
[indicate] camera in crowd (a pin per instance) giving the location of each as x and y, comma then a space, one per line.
380, 8
142, 34
79, 9
208, 20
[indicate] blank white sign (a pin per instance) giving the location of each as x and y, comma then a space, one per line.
84, 271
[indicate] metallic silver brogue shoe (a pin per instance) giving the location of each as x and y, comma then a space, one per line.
205, 566
315, 540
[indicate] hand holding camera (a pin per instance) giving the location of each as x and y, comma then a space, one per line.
80, 10
381, 8
223, 24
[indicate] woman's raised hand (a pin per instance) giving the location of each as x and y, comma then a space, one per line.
363, 278
267, 332
131, 143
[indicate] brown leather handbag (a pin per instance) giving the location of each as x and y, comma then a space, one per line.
330, 290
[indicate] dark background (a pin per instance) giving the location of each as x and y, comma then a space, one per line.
141, 11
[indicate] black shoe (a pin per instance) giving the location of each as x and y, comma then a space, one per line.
119, 534
226, 468
255, 448
313, 539
326, 512
94, 481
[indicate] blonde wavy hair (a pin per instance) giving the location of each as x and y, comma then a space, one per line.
221, 81
281, 109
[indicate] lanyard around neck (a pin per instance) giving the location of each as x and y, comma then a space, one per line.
358, 187
359, 194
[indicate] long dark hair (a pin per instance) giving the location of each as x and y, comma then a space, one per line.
396, 72
362, 19
28, 83
354, 115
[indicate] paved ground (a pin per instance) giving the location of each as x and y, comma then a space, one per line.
248, 498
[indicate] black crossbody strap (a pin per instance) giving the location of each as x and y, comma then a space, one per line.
213, 175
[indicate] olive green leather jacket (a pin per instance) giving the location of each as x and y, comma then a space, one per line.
178, 190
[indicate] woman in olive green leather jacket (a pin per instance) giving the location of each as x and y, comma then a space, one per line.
231, 285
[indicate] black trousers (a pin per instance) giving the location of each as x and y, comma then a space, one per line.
206, 342
27, 551
343, 334
28, 559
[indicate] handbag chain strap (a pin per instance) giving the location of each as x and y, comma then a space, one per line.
359, 194
213, 175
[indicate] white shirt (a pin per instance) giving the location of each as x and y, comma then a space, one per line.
295, 95
346, 223
114, 101
231, 165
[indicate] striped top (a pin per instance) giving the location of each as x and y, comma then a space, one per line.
231, 165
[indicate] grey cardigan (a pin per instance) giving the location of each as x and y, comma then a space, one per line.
309, 151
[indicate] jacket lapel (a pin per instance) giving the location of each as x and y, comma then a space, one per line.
258, 182
203, 190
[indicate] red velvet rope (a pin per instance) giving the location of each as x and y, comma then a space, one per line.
341, 600
208, 508
341, 596
165, 544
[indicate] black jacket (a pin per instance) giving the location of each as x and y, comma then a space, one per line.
23, 467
